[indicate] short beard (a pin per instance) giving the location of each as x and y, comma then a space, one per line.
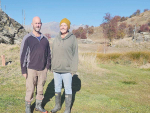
37, 29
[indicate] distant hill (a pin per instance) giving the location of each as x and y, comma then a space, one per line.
52, 28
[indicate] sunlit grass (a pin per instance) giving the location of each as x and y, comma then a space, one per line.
106, 83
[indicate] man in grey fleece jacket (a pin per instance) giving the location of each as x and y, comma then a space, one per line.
64, 64
35, 60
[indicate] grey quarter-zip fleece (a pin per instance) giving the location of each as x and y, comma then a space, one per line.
65, 54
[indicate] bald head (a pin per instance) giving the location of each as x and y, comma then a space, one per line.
36, 24
35, 19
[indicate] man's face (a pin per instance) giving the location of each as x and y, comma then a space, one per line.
63, 28
36, 24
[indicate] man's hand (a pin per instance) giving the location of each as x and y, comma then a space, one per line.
25, 75
72, 74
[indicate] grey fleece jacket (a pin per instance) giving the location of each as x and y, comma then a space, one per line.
65, 54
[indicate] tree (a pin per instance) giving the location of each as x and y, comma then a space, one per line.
118, 18
81, 32
83, 35
121, 30
110, 26
76, 33
138, 12
91, 30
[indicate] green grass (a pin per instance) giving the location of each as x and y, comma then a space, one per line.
117, 89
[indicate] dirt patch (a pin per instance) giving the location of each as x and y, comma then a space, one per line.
146, 66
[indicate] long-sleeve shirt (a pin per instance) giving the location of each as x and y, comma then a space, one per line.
34, 53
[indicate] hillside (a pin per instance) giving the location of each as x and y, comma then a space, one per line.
143, 18
119, 45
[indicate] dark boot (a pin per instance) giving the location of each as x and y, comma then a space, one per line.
57, 103
38, 106
28, 107
68, 99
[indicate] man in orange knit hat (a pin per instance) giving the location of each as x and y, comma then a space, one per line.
64, 64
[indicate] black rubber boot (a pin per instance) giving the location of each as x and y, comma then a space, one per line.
28, 107
38, 106
68, 99
57, 103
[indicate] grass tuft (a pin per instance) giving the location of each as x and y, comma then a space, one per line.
129, 82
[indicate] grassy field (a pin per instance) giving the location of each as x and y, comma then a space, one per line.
97, 87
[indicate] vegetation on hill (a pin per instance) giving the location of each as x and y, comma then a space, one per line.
82, 32
117, 27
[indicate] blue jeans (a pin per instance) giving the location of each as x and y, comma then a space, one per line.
67, 80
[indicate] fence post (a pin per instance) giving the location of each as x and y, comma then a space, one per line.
3, 60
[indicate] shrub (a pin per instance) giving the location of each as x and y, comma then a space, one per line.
144, 28
81, 32
121, 30
83, 35
135, 13
145, 10
123, 19
149, 22
130, 30
76, 33
48, 36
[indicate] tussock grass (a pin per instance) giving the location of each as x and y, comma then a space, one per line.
138, 58
88, 63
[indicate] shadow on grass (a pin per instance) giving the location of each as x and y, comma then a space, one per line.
50, 93
76, 86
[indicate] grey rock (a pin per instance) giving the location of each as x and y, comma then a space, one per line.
87, 41
11, 32
141, 37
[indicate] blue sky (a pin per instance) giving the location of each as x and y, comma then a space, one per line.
87, 12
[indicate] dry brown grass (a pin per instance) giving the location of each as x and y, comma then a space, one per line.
88, 63
11, 52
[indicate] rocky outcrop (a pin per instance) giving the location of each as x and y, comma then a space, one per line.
11, 32
85, 41
141, 37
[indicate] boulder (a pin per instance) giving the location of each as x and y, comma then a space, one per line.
11, 32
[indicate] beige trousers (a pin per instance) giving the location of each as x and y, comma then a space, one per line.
35, 79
